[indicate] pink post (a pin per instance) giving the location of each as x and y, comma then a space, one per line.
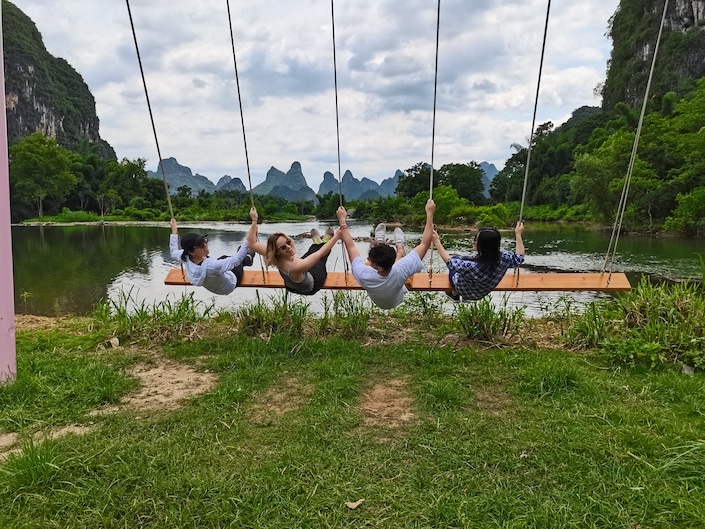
8, 362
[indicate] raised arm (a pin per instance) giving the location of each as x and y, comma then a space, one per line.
427, 235
174, 249
520, 242
345, 236
252, 241
441, 251
305, 264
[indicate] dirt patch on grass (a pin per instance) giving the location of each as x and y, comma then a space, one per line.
7, 441
290, 395
164, 385
388, 404
10, 442
544, 334
29, 322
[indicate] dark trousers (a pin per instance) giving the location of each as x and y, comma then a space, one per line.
318, 271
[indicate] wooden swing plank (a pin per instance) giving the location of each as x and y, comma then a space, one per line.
566, 282
556, 282
553, 281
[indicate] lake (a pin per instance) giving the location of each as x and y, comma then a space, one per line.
69, 269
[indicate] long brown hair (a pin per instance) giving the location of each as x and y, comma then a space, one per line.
270, 254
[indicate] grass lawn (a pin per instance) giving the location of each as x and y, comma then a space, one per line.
407, 425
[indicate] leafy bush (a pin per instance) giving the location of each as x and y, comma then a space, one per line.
138, 214
463, 214
67, 215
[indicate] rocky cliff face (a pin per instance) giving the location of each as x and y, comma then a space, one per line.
686, 14
290, 185
228, 183
681, 56
44, 93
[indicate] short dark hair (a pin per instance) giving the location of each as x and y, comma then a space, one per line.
382, 255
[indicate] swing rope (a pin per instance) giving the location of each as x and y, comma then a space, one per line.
149, 107
435, 91
337, 128
335, 84
239, 100
533, 119
617, 227
433, 129
242, 118
533, 126
154, 128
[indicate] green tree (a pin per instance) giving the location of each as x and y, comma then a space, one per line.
125, 179
327, 205
689, 216
466, 179
598, 174
414, 180
447, 200
40, 170
507, 185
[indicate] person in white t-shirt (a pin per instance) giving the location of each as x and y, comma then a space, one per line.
389, 267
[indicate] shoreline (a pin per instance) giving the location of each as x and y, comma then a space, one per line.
443, 228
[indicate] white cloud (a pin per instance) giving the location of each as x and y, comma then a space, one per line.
488, 66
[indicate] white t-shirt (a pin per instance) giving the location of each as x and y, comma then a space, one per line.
387, 291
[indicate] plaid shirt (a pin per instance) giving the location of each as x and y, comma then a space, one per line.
474, 280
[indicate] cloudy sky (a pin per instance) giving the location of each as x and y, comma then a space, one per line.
489, 57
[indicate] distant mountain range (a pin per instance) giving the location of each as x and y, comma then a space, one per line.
291, 185
354, 189
178, 175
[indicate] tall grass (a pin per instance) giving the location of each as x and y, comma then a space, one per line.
652, 323
425, 307
484, 321
345, 314
275, 314
129, 318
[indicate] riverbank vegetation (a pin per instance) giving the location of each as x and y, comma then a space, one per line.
412, 418
577, 174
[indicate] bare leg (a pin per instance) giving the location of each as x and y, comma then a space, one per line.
399, 242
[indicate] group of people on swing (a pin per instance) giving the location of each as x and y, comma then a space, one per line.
383, 275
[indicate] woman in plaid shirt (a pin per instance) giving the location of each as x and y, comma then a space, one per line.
473, 277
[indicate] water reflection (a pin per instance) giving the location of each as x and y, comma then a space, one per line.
68, 269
